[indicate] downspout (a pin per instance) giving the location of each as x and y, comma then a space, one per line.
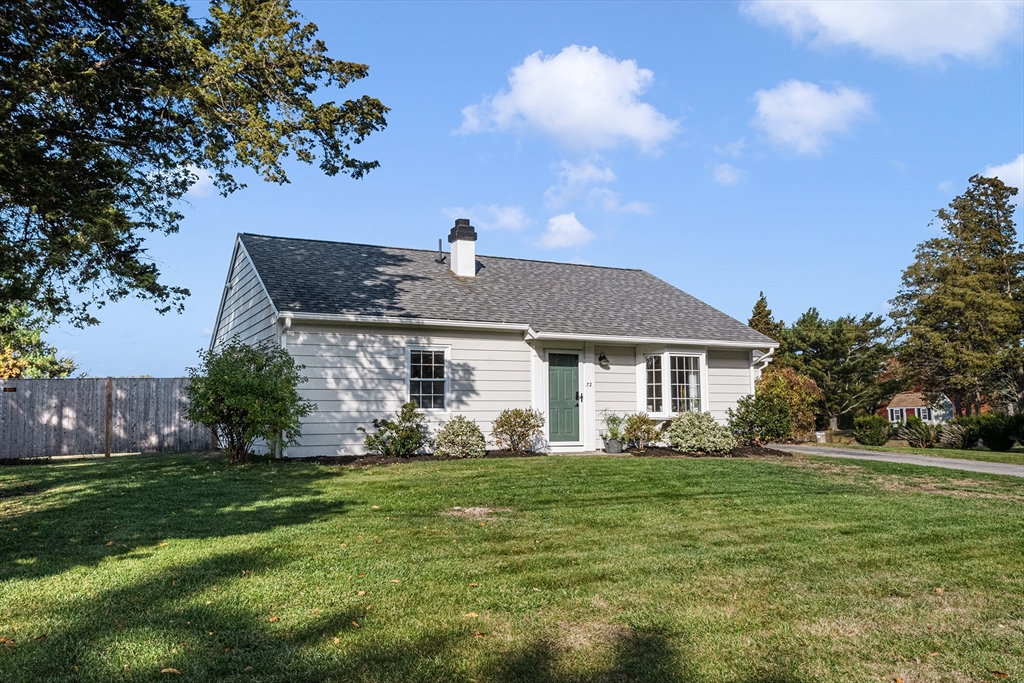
287, 325
761, 363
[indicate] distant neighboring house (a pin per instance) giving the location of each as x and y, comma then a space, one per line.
914, 404
458, 333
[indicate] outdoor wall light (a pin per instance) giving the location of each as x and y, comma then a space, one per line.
602, 359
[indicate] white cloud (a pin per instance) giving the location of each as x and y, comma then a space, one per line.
565, 230
573, 181
1011, 173
581, 97
203, 186
733, 149
800, 115
493, 217
946, 186
727, 174
916, 32
608, 200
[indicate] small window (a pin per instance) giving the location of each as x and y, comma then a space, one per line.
684, 383
427, 380
926, 413
654, 384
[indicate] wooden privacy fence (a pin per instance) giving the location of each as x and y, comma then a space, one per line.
46, 417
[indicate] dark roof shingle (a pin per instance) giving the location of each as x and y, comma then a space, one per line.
318, 277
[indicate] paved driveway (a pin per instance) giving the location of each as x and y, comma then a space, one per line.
906, 459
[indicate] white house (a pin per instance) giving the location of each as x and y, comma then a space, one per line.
460, 333
914, 404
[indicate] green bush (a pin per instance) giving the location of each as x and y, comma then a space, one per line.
640, 430
760, 418
460, 438
515, 429
917, 433
996, 431
247, 393
872, 430
696, 432
401, 437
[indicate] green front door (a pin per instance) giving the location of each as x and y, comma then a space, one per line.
563, 393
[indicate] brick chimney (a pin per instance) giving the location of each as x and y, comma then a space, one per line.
463, 241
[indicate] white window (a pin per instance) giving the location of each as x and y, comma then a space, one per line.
681, 384
896, 415
428, 378
925, 413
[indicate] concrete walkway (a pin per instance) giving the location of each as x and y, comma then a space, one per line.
907, 459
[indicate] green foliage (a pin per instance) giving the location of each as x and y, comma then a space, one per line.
799, 392
401, 437
917, 433
613, 423
759, 419
516, 428
996, 431
112, 110
761, 319
872, 430
23, 353
698, 432
248, 393
460, 437
846, 358
960, 308
640, 430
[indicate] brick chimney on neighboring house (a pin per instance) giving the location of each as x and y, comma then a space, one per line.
463, 241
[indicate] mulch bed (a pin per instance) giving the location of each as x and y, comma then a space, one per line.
738, 452
652, 452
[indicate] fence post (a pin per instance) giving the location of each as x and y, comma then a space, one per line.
109, 417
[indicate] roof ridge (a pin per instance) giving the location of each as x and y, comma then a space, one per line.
431, 251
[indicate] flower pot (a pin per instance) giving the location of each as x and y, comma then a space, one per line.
612, 446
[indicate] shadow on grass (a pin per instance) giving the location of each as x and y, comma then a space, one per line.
60, 516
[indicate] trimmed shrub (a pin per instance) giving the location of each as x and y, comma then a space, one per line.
696, 432
404, 436
872, 430
640, 430
996, 431
760, 418
917, 433
800, 392
515, 429
460, 438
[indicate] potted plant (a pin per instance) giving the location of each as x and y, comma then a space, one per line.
613, 437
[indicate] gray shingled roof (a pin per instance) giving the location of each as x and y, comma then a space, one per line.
318, 277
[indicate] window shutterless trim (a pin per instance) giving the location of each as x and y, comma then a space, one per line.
409, 379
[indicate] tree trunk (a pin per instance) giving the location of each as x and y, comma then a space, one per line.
833, 423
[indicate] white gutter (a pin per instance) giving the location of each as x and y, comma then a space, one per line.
396, 320
765, 359
649, 340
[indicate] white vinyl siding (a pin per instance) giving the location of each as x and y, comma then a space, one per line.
614, 383
358, 375
247, 314
728, 380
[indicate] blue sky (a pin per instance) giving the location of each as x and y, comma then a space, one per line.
796, 148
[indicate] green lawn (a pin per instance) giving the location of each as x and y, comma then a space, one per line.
590, 569
1013, 457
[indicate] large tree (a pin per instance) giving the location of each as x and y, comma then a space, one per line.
111, 109
23, 352
845, 357
959, 309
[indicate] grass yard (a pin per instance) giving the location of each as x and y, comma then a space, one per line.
1012, 457
585, 569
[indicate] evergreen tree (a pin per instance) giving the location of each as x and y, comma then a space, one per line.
959, 309
761, 320
845, 357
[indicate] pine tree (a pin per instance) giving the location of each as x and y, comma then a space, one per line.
761, 320
959, 308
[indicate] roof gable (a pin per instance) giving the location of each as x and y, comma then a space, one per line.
338, 278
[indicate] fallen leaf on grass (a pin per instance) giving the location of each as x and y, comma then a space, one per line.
361, 593
6, 641
375, 507
41, 636
356, 624
110, 543
897, 680
934, 654
938, 591
274, 619
471, 615
477, 634
337, 641
169, 670
395, 581
474, 585
1000, 674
